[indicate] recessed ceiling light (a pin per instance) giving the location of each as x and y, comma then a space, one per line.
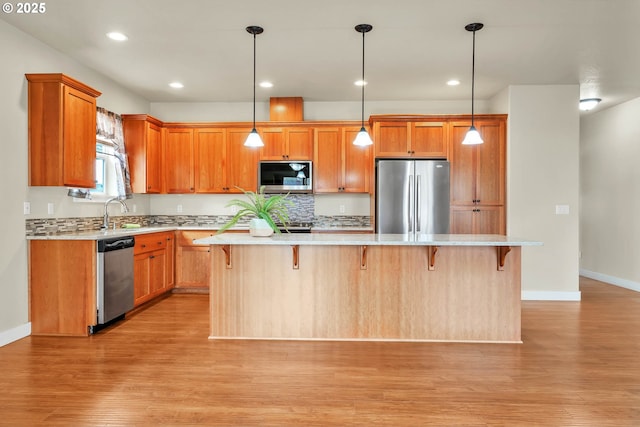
453, 82
266, 84
360, 83
117, 36
589, 103
176, 85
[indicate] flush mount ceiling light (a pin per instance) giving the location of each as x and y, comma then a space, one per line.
266, 84
176, 85
453, 82
473, 136
119, 37
360, 83
254, 140
589, 103
363, 138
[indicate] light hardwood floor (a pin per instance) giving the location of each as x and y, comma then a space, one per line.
579, 366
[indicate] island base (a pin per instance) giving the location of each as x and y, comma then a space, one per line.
394, 293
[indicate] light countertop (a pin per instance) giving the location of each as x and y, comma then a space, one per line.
337, 239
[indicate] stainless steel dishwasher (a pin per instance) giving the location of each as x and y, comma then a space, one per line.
114, 279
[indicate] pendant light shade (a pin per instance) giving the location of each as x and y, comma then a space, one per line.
254, 140
362, 138
473, 136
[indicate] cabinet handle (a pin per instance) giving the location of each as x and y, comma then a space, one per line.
143, 246
151, 256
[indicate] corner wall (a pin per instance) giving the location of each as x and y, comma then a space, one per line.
23, 54
610, 197
543, 174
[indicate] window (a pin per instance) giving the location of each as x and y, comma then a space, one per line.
106, 174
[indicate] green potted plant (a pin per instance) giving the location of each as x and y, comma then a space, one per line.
263, 209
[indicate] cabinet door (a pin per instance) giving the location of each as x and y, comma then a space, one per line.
242, 162
328, 165
210, 152
357, 164
79, 130
392, 139
141, 278
299, 143
477, 220
153, 158
178, 155
193, 262
429, 139
157, 271
490, 167
274, 144
463, 166
170, 259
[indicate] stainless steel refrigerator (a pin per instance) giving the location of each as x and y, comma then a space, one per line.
412, 196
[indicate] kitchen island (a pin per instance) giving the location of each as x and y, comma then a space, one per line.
366, 287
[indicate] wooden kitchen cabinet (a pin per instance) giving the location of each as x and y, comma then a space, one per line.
210, 148
153, 265
193, 262
286, 143
340, 166
478, 178
179, 160
477, 220
411, 139
62, 286
241, 162
143, 139
62, 131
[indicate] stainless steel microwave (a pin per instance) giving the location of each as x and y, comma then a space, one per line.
287, 176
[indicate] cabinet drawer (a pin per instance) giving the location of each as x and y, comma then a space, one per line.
150, 242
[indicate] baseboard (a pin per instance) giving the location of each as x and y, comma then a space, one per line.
15, 334
550, 296
612, 280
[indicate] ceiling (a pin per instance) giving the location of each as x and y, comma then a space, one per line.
310, 49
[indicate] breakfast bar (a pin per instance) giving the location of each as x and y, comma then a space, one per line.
387, 287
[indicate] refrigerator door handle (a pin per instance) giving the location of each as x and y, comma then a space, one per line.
411, 204
418, 205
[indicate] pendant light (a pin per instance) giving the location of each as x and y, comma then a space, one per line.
362, 138
473, 136
254, 140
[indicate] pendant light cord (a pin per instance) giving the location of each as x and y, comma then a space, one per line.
473, 77
254, 81
363, 82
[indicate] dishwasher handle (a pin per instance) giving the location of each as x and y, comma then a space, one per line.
116, 243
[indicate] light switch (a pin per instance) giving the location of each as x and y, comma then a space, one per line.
562, 209
179, 208
27, 208
50, 208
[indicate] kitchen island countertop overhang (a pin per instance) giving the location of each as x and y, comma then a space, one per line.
366, 287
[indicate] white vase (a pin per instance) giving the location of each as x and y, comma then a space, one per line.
258, 227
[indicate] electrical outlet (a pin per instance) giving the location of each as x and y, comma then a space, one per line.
135, 208
50, 209
234, 210
179, 208
27, 208
341, 208
562, 209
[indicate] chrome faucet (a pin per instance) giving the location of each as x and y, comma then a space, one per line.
105, 218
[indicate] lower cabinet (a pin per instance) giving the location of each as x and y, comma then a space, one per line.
153, 265
193, 262
477, 219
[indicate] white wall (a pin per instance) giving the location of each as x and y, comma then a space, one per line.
543, 172
610, 195
22, 54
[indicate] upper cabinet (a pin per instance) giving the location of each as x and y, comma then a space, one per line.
286, 143
178, 160
210, 159
143, 139
62, 131
241, 162
410, 138
340, 166
478, 178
